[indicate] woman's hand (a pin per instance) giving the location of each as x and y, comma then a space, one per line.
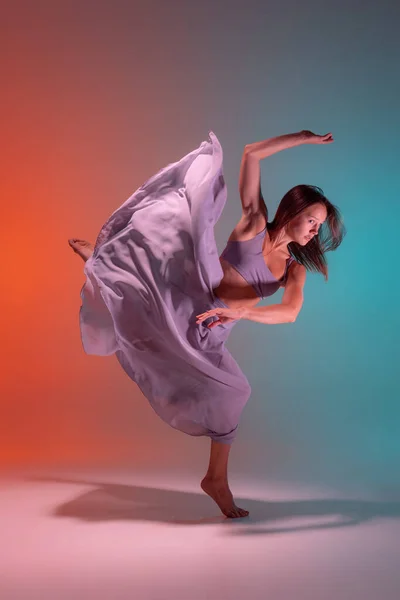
225, 315
311, 138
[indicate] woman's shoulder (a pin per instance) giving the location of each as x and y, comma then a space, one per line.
248, 227
296, 273
296, 268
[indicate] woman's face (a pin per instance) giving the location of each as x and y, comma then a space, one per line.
306, 225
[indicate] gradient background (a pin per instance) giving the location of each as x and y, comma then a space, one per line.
98, 96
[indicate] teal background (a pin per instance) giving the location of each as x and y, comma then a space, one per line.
108, 93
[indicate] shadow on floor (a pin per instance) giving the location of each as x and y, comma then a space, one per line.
118, 502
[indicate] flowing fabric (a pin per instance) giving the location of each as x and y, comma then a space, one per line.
154, 267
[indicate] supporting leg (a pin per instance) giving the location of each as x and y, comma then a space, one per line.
215, 482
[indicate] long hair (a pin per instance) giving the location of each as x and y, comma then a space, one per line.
330, 234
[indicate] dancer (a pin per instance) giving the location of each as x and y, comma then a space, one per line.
158, 295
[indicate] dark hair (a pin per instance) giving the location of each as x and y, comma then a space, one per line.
330, 234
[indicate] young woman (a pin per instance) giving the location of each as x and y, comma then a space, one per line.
158, 295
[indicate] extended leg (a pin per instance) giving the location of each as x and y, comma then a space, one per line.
215, 483
81, 247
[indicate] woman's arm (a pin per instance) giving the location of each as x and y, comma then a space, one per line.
292, 301
286, 312
273, 145
270, 315
249, 178
250, 174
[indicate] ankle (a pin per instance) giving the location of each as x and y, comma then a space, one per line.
216, 477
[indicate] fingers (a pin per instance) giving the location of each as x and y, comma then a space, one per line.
203, 314
206, 315
202, 317
327, 137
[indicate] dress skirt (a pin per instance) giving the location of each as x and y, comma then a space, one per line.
154, 267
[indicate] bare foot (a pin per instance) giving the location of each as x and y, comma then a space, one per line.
219, 491
81, 247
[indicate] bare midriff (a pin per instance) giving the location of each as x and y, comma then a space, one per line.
234, 290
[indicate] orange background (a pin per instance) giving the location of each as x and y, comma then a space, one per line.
98, 96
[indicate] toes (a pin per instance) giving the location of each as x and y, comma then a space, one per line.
233, 514
237, 513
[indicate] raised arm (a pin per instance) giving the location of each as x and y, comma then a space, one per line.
250, 174
250, 187
273, 145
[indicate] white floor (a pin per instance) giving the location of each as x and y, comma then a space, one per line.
119, 535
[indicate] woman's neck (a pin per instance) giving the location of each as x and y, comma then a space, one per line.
278, 242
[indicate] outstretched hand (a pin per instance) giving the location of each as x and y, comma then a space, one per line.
225, 315
313, 138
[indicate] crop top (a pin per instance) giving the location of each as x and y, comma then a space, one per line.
247, 259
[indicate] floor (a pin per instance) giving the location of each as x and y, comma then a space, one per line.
119, 534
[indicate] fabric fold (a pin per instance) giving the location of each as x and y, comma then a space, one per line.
154, 268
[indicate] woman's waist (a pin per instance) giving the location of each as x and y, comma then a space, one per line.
235, 296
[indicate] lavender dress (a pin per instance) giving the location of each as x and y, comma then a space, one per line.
153, 269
